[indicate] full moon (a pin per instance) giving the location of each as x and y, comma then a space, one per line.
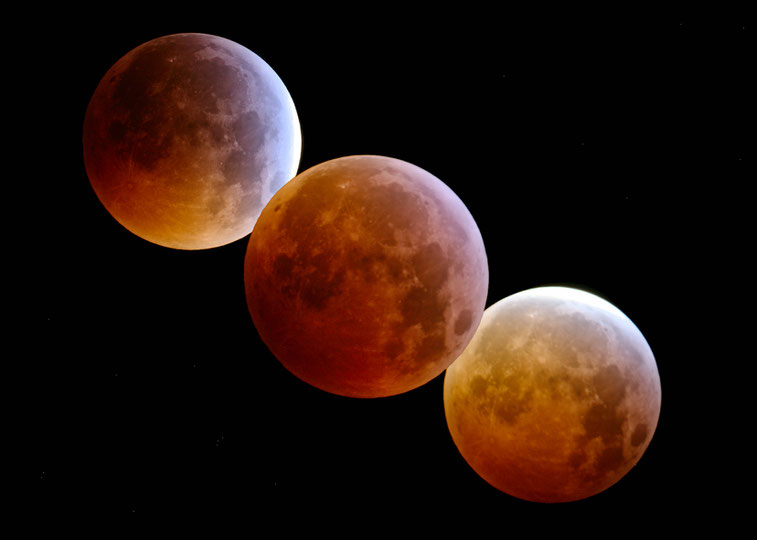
556, 397
366, 276
187, 137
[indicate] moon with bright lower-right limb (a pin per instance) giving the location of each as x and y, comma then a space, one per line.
556, 397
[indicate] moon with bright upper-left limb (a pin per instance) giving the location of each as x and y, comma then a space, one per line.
187, 137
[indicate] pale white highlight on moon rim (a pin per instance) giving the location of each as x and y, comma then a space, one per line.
571, 294
187, 137
556, 397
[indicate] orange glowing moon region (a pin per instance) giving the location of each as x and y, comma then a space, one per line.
366, 276
187, 137
556, 397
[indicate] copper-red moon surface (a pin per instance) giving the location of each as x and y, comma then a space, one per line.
556, 397
366, 276
187, 137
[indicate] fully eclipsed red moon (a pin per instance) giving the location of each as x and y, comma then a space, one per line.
556, 397
187, 137
366, 276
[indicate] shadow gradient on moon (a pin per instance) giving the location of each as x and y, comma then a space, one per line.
187, 137
556, 397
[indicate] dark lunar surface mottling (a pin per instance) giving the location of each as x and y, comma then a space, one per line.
187, 137
374, 254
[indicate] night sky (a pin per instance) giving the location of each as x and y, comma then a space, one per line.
592, 149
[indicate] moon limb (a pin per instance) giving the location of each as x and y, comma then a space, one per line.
556, 397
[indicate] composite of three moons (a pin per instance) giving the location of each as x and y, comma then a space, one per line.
366, 276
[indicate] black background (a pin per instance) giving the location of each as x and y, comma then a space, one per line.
592, 149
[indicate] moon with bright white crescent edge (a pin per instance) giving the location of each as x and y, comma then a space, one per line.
366, 276
187, 137
556, 397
